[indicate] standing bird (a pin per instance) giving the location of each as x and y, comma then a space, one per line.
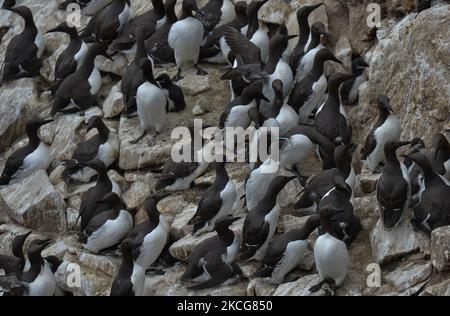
261, 222
345, 224
330, 253
322, 183
350, 88
15, 264
108, 228
331, 119
157, 44
286, 252
253, 68
148, 21
29, 159
305, 34
77, 92
415, 172
393, 187
152, 104
282, 116
174, 93
312, 48
90, 202
71, 58
24, 51
134, 75
243, 109
387, 129
433, 209
308, 93
216, 13
39, 280
103, 146
441, 155
216, 202
151, 236
213, 261
185, 38
131, 277
107, 23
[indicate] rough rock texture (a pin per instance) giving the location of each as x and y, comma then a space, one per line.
34, 203
440, 248
410, 66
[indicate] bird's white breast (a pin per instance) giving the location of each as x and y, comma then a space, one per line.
81, 54
153, 244
95, 81
39, 159
44, 284
151, 106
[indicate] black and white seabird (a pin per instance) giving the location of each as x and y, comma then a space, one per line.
186, 37
174, 93
322, 183
433, 210
243, 110
415, 172
24, 51
103, 146
331, 119
216, 13
130, 280
151, 101
261, 222
305, 32
298, 145
106, 229
386, 129
281, 115
286, 252
252, 68
77, 92
39, 280
29, 159
215, 49
350, 88
213, 262
90, 202
255, 33
14, 264
308, 93
217, 201
71, 58
148, 21
151, 236
441, 155
133, 76
157, 44
178, 176
107, 23
330, 253
393, 187
313, 46
345, 224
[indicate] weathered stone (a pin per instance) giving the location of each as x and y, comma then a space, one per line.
198, 110
440, 289
300, 287
368, 181
275, 12
35, 203
366, 210
138, 192
180, 227
193, 85
260, 287
393, 244
172, 205
15, 96
116, 67
440, 248
113, 104
136, 156
407, 67
409, 275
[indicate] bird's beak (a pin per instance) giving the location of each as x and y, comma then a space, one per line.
55, 30
401, 144
44, 122
292, 36
263, 97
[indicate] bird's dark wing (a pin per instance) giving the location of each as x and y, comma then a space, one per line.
15, 161
87, 150
97, 221
218, 270
369, 145
241, 46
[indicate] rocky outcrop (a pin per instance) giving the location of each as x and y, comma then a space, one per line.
34, 203
440, 248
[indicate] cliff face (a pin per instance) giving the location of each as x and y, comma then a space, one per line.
409, 57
